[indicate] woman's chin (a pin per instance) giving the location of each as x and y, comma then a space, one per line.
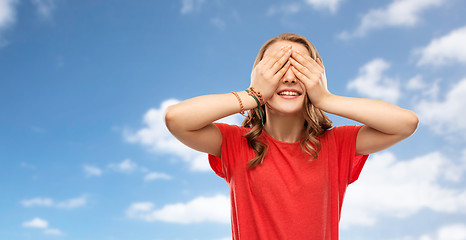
286, 109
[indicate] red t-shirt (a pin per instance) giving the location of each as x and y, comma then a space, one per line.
288, 196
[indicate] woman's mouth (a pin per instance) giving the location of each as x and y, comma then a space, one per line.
289, 93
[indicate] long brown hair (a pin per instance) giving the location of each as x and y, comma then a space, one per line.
316, 122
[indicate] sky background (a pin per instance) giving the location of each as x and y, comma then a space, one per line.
85, 154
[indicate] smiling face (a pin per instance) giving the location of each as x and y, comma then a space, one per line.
290, 94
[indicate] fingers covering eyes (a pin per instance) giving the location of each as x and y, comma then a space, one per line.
285, 68
279, 61
271, 57
300, 67
307, 61
279, 64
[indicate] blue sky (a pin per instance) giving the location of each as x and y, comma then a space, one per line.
83, 86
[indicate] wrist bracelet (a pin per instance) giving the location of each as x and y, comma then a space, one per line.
253, 96
258, 95
251, 92
240, 103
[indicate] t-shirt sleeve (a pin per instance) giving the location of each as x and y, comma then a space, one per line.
350, 164
231, 139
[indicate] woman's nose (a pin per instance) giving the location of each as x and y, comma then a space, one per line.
289, 77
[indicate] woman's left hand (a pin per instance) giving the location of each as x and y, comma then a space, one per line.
312, 74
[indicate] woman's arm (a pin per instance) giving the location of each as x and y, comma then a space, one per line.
385, 124
191, 121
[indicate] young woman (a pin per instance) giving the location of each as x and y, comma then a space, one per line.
286, 167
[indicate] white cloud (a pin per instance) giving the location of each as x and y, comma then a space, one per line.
416, 83
92, 170
371, 82
331, 5
286, 9
404, 13
388, 187
156, 136
446, 49
126, 166
447, 232
446, 116
159, 139
201, 209
72, 203
53, 231
129, 166
451, 232
48, 202
36, 223
7, 13
140, 207
42, 224
289, 8
155, 175
45, 8
219, 23
430, 90
7, 16
188, 6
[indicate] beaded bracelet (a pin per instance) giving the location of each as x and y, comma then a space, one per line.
253, 96
240, 103
258, 95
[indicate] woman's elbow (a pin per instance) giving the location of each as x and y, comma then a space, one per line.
170, 118
412, 121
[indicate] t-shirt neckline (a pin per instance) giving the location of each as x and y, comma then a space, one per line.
278, 141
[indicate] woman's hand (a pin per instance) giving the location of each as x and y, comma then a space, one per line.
312, 74
267, 73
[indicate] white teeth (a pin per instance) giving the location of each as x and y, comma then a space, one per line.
289, 93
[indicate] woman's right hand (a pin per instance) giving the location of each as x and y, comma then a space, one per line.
269, 71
